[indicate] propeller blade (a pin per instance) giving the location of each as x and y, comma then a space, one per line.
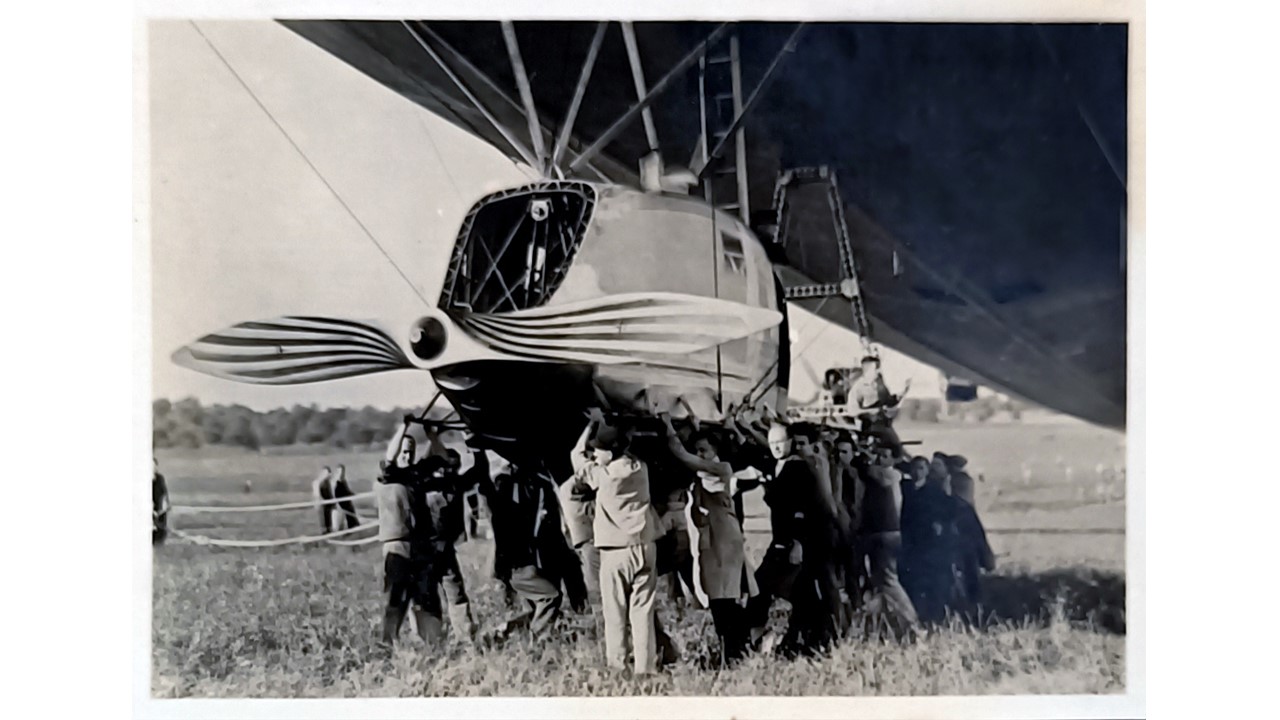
293, 350
619, 328
638, 328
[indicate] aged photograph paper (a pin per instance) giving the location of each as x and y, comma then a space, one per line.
603, 357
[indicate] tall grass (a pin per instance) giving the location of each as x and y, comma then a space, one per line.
303, 622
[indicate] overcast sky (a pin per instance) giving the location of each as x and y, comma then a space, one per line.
243, 229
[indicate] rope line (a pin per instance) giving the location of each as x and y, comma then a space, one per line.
191, 509
302, 540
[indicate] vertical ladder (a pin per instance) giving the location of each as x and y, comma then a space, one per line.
720, 101
850, 288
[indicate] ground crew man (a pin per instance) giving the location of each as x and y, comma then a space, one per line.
876, 404
721, 574
880, 540
322, 492
795, 565
415, 507
159, 506
530, 554
625, 530
849, 488
345, 511
974, 553
929, 540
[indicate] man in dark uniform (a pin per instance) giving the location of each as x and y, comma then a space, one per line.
930, 540
342, 489
973, 554
848, 478
322, 493
159, 506
880, 540
748, 454
531, 555
441, 499
795, 567
419, 516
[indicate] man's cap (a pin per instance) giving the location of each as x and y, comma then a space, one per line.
869, 359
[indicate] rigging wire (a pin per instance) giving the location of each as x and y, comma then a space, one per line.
443, 165
715, 278
311, 165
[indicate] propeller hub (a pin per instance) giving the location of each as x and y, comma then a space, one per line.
428, 338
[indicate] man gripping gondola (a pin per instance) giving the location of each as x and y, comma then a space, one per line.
419, 520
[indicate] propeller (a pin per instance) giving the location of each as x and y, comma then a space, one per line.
615, 329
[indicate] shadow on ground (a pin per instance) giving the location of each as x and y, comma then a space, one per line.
1081, 595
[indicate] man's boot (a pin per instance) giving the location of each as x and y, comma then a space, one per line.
392, 618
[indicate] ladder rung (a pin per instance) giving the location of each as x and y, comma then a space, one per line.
718, 59
724, 96
725, 170
729, 206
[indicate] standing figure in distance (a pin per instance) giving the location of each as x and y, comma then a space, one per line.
159, 505
347, 517
322, 493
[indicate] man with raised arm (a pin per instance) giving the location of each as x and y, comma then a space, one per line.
876, 405
419, 520
720, 571
625, 530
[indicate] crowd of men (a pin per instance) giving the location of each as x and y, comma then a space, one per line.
863, 537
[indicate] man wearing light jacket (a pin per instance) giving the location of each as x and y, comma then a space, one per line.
624, 530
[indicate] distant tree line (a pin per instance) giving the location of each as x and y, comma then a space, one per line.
188, 424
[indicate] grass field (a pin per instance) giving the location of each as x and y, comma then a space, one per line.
302, 621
